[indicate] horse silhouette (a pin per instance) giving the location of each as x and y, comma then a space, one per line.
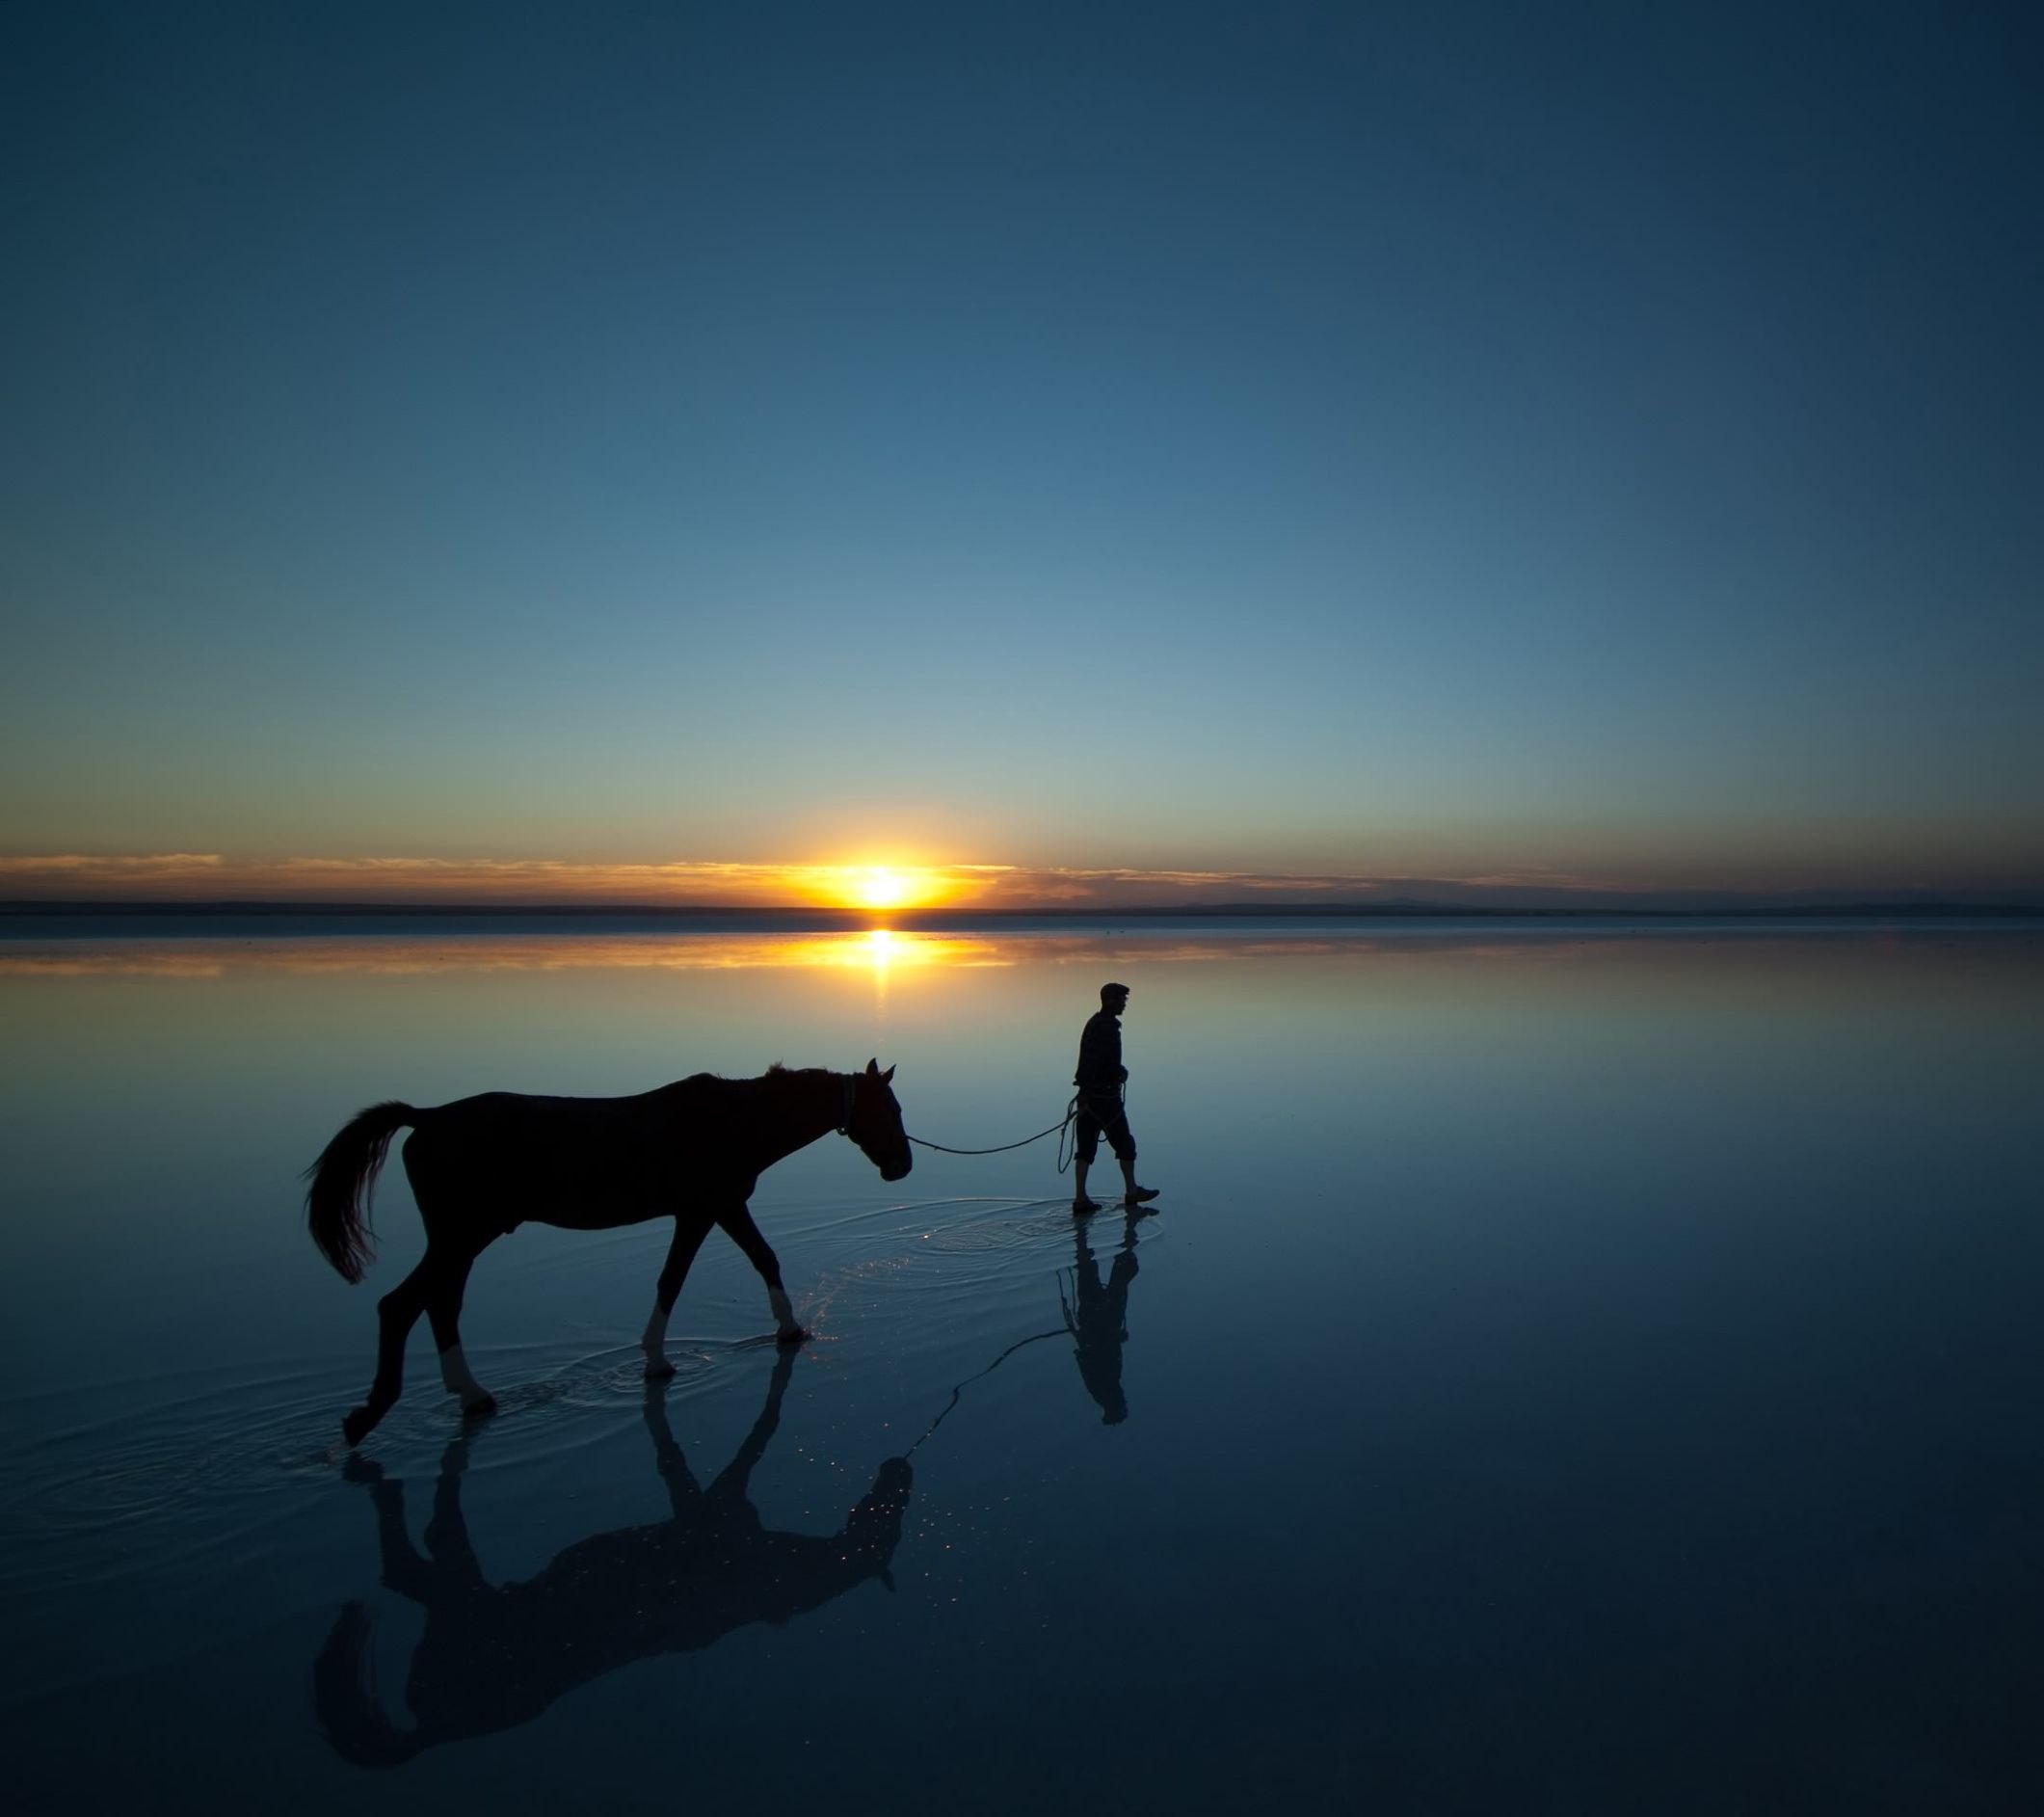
481, 1166
494, 1656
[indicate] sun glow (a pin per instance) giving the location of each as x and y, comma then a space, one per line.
883, 886
882, 889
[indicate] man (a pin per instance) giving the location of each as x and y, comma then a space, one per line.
1099, 1078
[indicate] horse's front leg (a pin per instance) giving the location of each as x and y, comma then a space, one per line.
737, 1224
690, 1228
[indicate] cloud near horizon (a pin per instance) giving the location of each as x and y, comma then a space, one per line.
187, 877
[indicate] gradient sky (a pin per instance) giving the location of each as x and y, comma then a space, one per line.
1572, 442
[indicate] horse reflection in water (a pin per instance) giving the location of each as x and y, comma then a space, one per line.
495, 1656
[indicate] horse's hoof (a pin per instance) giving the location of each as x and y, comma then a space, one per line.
479, 1409
358, 1425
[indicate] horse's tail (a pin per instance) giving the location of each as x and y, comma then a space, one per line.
344, 1697
343, 1178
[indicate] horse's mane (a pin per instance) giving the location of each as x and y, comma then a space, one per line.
775, 1071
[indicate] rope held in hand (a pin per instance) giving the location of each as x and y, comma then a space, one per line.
1064, 1157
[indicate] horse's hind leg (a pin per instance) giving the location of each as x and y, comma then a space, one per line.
396, 1313
689, 1231
443, 1306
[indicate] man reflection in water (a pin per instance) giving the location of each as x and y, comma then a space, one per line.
1099, 1078
1098, 1318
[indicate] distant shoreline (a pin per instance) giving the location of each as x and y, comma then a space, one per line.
913, 920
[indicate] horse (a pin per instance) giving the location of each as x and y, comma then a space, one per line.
481, 1166
494, 1655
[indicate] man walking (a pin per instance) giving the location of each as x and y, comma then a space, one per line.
1099, 1078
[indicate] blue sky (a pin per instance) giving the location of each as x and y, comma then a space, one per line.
1589, 443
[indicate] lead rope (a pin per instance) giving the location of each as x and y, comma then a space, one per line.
1064, 1122
1058, 1129
844, 1127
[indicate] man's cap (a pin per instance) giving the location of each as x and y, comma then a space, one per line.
1113, 990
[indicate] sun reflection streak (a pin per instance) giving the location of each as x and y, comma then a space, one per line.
883, 953
880, 952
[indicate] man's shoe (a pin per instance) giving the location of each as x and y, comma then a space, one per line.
1081, 1208
1141, 1194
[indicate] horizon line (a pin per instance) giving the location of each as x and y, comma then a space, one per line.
1800, 907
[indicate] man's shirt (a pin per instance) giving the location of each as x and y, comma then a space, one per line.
1099, 1054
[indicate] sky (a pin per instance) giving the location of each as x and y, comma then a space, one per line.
1039, 452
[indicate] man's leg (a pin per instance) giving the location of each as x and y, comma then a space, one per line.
1122, 1142
1085, 1146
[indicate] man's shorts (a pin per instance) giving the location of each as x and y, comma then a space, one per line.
1099, 1113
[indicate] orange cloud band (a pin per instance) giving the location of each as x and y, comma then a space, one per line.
193, 877
213, 876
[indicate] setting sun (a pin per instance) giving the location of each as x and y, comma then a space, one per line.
876, 888
881, 885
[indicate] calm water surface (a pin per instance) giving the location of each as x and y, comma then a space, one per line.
1565, 1372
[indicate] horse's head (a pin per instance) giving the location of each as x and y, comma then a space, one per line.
875, 1123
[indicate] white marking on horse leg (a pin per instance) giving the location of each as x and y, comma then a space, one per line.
783, 1313
654, 1341
454, 1372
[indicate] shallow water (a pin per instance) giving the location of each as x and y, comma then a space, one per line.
1566, 1371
